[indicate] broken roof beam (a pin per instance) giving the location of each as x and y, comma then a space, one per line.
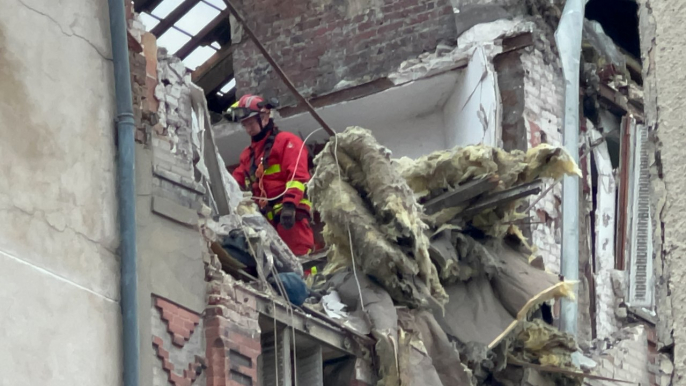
503, 197
145, 5
461, 194
216, 71
194, 43
173, 17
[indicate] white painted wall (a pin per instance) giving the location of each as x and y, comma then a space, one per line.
456, 108
472, 113
412, 137
59, 273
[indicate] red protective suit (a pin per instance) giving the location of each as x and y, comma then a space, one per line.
282, 164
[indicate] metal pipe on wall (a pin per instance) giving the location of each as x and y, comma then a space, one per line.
127, 192
568, 38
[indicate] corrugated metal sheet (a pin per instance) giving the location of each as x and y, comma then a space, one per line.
310, 367
275, 367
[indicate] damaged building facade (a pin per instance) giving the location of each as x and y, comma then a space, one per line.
422, 77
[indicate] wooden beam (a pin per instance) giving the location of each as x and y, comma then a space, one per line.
618, 103
210, 63
145, 5
462, 194
499, 198
173, 17
218, 69
194, 43
347, 94
517, 42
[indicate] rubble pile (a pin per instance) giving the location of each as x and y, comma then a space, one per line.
441, 277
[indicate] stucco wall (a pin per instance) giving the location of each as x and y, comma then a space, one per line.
59, 272
662, 30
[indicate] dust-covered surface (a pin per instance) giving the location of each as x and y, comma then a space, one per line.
454, 315
363, 200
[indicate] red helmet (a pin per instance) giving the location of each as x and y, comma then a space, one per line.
248, 106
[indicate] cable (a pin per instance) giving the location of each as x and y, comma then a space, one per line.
347, 224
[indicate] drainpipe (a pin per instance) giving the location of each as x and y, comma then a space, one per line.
568, 39
127, 191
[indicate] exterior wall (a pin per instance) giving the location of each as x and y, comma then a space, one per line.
471, 114
326, 45
627, 359
232, 331
59, 273
170, 203
178, 341
543, 108
662, 32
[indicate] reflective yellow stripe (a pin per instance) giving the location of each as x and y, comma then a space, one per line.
270, 215
306, 202
295, 184
277, 208
272, 169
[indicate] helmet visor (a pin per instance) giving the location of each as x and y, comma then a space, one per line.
237, 114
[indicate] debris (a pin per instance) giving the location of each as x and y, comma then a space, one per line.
439, 285
333, 306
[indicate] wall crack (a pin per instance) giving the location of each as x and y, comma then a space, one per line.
65, 33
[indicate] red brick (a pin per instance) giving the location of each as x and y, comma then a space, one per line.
162, 353
188, 315
157, 341
150, 52
245, 341
178, 340
151, 103
167, 365
392, 27
535, 134
176, 326
178, 380
134, 46
186, 333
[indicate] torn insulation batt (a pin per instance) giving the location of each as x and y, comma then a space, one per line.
447, 303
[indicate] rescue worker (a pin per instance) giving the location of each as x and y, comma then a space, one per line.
275, 168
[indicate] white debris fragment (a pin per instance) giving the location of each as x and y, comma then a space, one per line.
333, 306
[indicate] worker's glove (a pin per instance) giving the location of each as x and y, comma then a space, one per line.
288, 215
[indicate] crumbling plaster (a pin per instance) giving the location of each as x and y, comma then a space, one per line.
59, 272
662, 30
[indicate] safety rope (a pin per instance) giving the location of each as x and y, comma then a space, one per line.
347, 224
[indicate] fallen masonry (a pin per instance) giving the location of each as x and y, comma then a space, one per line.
427, 279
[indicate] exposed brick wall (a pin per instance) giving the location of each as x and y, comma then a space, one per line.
511, 85
543, 110
232, 332
626, 358
179, 352
322, 43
